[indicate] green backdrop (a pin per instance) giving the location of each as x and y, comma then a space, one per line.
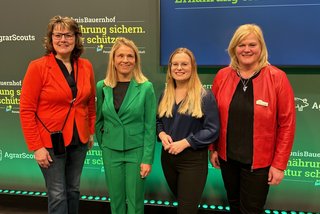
23, 25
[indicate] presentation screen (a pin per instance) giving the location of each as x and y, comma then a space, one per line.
206, 27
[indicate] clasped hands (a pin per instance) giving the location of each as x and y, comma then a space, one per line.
173, 148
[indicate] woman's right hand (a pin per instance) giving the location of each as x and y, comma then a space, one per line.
214, 159
166, 140
43, 157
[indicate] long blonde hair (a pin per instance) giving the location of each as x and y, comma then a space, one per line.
111, 74
240, 34
191, 105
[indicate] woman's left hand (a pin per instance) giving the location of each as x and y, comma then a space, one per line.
90, 142
145, 170
275, 176
178, 146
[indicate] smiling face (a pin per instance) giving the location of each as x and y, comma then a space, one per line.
248, 52
181, 67
124, 62
63, 41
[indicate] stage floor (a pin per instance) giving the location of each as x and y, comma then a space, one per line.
17, 204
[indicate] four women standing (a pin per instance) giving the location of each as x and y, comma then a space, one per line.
254, 102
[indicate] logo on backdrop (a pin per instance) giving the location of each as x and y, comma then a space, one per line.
14, 155
10, 91
17, 38
100, 33
303, 103
304, 166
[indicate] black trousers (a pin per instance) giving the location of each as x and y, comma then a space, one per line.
186, 175
247, 189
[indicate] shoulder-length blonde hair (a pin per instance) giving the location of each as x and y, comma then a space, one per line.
64, 23
240, 34
111, 74
192, 103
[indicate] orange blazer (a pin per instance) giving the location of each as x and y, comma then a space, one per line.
46, 92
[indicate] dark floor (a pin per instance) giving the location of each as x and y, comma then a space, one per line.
17, 204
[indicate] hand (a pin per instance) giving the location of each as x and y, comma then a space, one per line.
43, 157
214, 159
145, 170
275, 176
178, 146
90, 142
166, 140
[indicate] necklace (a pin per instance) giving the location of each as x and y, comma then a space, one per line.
245, 81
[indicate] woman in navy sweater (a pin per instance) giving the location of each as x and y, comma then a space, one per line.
187, 122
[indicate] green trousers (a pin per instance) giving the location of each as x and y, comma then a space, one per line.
125, 185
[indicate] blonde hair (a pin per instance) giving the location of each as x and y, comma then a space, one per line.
111, 74
191, 105
240, 34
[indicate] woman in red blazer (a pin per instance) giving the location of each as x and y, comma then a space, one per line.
58, 94
257, 122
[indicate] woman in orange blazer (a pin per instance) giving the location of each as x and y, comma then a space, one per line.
58, 94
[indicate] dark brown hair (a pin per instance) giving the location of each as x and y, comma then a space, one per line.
67, 23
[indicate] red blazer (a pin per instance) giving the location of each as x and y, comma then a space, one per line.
46, 92
274, 115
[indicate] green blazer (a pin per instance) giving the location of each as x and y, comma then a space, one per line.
135, 123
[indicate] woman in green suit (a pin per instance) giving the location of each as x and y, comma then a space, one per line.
125, 127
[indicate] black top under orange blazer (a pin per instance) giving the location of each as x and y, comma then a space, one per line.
45, 92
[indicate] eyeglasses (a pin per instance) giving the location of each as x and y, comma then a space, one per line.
67, 36
176, 65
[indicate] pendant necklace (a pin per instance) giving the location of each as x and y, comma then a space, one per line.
245, 81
